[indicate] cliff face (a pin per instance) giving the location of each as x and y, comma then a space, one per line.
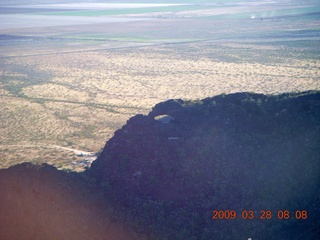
238, 151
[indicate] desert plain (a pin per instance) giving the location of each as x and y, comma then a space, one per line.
72, 74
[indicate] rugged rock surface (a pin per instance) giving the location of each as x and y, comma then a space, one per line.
239, 152
164, 174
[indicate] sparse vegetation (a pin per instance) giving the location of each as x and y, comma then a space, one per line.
84, 97
70, 78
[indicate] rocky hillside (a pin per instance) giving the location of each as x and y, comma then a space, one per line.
239, 152
184, 171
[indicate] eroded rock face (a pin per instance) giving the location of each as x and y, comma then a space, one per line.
237, 151
236, 139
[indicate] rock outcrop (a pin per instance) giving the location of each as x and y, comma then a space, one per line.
179, 172
241, 151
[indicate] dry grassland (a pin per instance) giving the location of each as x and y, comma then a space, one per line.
81, 98
62, 159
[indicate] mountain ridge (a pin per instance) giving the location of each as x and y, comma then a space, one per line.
162, 175
238, 151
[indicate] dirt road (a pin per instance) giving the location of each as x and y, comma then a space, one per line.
76, 151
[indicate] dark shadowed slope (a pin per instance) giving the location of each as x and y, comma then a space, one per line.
238, 152
40, 202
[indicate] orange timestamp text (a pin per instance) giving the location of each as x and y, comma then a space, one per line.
262, 214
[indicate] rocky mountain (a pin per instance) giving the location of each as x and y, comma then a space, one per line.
241, 152
235, 166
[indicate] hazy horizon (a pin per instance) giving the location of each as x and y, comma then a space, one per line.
32, 2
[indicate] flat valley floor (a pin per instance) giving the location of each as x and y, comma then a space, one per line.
69, 78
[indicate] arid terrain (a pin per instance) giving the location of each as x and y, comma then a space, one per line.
72, 84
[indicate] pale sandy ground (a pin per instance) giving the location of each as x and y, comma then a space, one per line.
81, 98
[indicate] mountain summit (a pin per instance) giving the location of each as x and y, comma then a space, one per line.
241, 152
235, 166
